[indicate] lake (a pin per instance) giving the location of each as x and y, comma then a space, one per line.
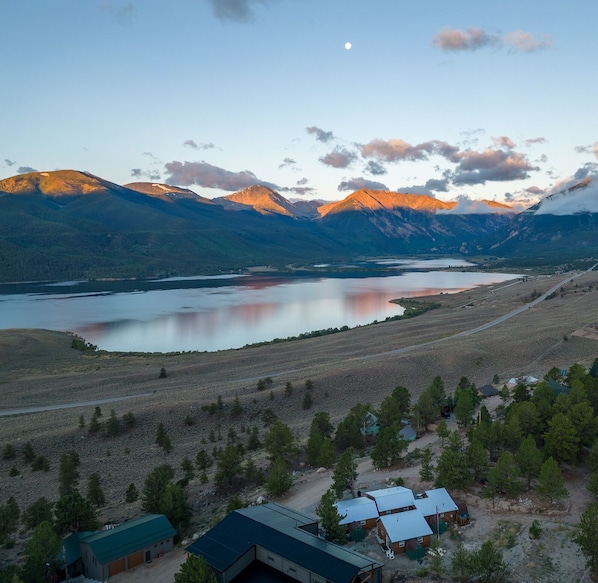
230, 311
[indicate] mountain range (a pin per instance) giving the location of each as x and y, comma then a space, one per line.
71, 224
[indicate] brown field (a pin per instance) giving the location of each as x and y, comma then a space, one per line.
40, 369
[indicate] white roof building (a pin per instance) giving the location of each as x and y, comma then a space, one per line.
356, 509
389, 499
437, 501
404, 526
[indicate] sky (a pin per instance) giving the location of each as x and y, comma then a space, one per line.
461, 100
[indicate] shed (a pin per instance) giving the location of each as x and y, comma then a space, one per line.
108, 552
390, 500
487, 391
396, 530
362, 510
408, 433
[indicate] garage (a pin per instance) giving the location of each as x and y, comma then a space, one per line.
117, 566
135, 559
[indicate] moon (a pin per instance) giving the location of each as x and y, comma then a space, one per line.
348, 45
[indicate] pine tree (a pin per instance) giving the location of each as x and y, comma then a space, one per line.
426, 472
132, 494
195, 570
529, 459
587, 536
551, 485
345, 474
95, 494
162, 438
330, 518
279, 479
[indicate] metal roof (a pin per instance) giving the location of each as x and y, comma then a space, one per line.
279, 530
436, 501
392, 498
128, 537
356, 509
405, 525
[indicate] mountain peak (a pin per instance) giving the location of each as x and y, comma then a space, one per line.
260, 198
165, 191
56, 183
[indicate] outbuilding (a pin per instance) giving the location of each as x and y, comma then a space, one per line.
362, 510
391, 500
397, 530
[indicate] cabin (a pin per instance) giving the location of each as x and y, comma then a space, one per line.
437, 507
405, 529
102, 554
392, 500
361, 510
270, 542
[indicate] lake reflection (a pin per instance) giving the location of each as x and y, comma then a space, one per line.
216, 313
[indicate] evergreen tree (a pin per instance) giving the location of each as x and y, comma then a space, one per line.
229, 467
402, 396
561, 441
279, 479
437, 393
236, 409
308, 401
112, 425
41, 552
348, 432
28, 453
68, 473
586, 536
426, 472
321, 428
155, 483
73, 513
254, 442
162, 438
488, 565
195, 570
442, 431
503, 477
9, 519
41, 510
464, 409
330, 518
388, 448
327, 455
173, 504
345, 474
280, 442
529, 459
389, 412
478, 459
132, 494
9, 452
95, 494
551, 485
452, 470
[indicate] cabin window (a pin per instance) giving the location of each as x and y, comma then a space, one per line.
402, 544
442, 515
420, 539
363, 523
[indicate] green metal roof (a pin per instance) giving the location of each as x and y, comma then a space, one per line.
279, 530
128, 537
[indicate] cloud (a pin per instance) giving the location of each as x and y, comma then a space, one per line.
415, 189
321, 135
25, 169
398, 150
195, 146
302, 190
359, 183
503, 142
531, 141
208, 176
339, 158
596, 150
375, 168
525, 42
152, 175
287, 163
437, 185
302, 181
491, 165
124, 13
235, 10
473, 38
9, 162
